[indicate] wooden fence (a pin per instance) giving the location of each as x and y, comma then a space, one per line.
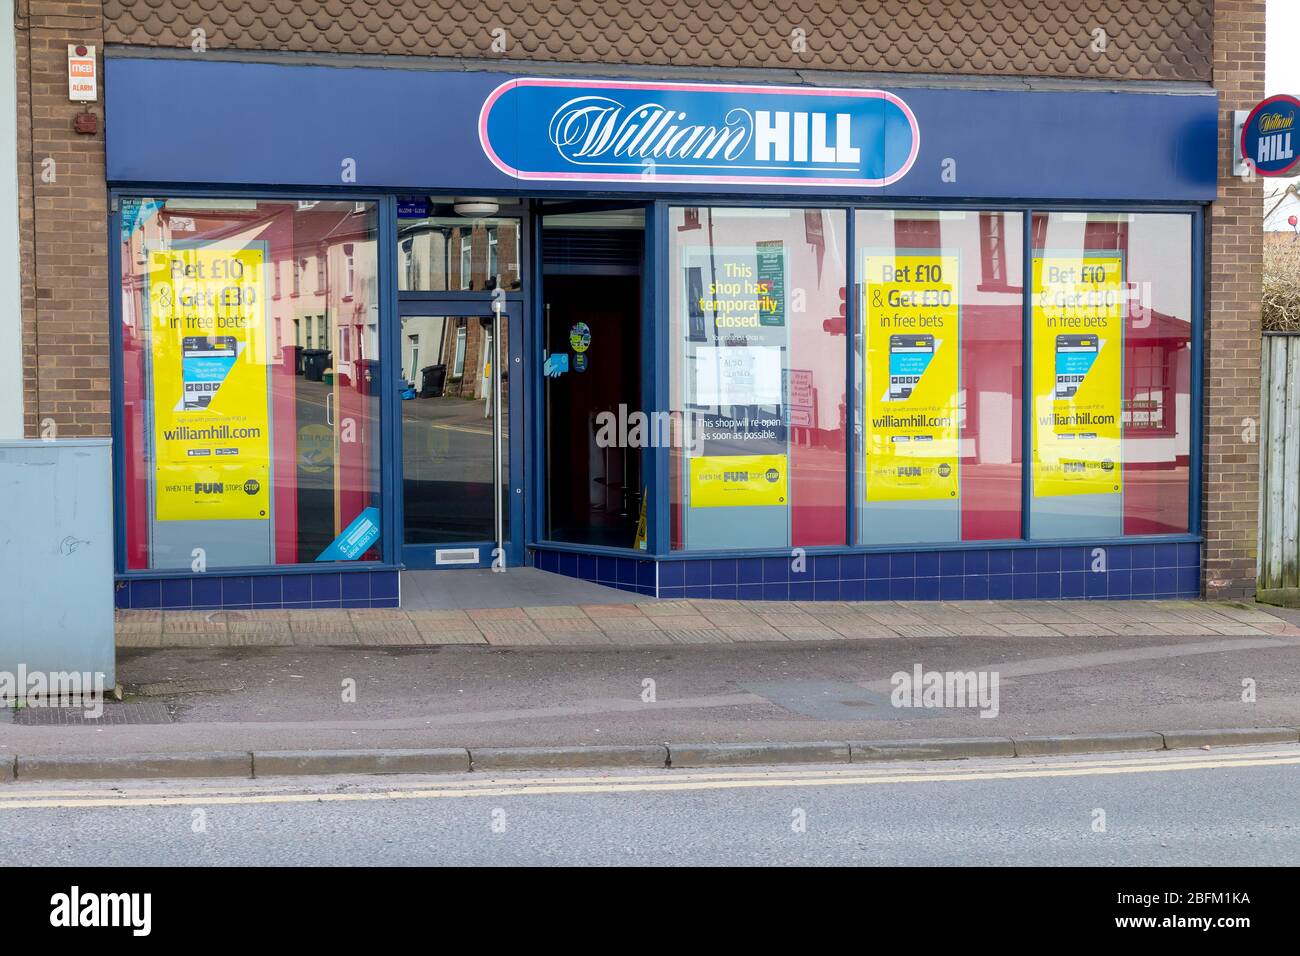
1279, 470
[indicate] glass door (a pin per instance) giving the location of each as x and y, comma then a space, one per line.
461, 433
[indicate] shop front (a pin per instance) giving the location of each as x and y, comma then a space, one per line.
716, 340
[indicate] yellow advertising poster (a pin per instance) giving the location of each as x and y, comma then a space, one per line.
1078, 330
913, 375
730, 481
211, 432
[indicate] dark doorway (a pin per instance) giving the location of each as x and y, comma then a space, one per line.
593, 264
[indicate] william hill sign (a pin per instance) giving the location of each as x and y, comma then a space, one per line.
1268, 140
618, 131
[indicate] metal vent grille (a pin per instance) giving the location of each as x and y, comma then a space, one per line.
456, 556
592, 251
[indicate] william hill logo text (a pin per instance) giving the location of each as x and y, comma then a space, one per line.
1275, 137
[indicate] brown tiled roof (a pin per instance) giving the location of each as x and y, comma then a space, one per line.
1139, 39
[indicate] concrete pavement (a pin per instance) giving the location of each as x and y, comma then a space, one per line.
484, 697
648, 623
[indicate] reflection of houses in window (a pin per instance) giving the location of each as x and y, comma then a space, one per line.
1155, 407
459, 346
455, 254
993, 252
344, 322
458, 369
340, 314
410, 278
466, 261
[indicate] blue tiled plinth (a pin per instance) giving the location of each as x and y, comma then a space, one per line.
1138, 571
212, 592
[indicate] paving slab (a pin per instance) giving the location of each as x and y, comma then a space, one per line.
480, 588
620, 623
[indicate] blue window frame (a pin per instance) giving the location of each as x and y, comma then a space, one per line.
655, 358
384, 240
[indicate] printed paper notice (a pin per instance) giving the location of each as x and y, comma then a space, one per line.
737, 375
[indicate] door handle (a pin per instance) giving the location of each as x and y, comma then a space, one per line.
499, 490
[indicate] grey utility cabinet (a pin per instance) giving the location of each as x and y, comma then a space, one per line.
56, 557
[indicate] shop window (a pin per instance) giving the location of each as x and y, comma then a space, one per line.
759, 456
442, 252
1112, 374
236, 455
938, 371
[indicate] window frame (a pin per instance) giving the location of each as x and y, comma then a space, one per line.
1196, 214
385, 238
656, 339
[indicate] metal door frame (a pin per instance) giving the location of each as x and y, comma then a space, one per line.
505, 310
654, 375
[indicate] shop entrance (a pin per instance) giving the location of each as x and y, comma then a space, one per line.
593, 263
463, 394
457, 423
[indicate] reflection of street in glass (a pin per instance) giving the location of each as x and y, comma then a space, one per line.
318, 437
447, 466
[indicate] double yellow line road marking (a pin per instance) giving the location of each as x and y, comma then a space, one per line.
352, 790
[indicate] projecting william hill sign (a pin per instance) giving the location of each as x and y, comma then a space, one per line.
595, 131
1266, 136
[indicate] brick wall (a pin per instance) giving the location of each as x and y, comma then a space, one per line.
63, 229
1235, 250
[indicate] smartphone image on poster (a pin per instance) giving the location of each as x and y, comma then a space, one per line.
206, 360
1074, 357
909, 357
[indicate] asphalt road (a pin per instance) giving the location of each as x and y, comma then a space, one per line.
1227, 807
